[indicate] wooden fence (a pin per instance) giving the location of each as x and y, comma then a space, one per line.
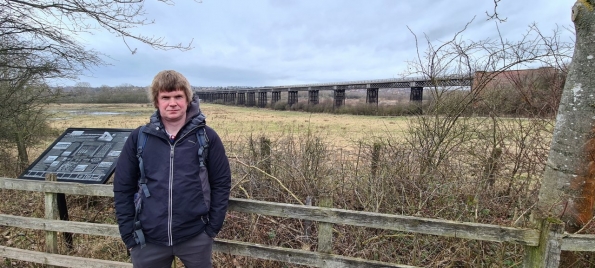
543, 246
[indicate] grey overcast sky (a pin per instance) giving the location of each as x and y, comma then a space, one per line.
287, 42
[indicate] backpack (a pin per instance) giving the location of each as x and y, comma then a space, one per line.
203, 152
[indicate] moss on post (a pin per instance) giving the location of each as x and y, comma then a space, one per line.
547, 253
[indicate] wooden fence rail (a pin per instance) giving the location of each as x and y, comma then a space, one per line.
542, 246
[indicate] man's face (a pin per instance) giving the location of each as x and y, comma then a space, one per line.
172, 105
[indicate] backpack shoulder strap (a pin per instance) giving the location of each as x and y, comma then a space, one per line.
141, 141
203, 142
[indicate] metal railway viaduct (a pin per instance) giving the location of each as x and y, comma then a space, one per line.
248, 96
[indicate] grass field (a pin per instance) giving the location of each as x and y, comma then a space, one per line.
231, 121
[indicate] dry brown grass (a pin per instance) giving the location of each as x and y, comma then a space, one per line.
232, 121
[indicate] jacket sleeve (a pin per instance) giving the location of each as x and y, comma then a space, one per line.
220, 181
125, 186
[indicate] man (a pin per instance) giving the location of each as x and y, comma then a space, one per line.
179, 208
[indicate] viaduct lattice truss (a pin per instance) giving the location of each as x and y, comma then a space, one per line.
248, 96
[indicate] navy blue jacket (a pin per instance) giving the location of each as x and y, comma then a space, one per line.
180, 206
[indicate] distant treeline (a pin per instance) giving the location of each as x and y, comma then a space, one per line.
104, 95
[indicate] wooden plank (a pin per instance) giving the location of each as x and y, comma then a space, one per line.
476, 231
60, 226
296, 256
72, 188
287, 255
578, 242
58, 260
486, 232
224, 246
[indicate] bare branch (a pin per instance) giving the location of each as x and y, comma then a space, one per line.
495, 15
43, 22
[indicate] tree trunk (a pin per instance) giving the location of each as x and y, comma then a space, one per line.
567, 189
568, 186
23, 157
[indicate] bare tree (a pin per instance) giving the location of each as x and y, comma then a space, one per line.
38, 41
442, 126
23, 97
49, 29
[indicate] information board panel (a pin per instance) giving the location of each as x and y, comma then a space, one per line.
85, 155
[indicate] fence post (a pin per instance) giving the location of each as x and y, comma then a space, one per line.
547, 253
325, 230
51, 213
375, 158
265, 154
306, 244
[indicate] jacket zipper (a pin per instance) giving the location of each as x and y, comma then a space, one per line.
170, 201
171, 186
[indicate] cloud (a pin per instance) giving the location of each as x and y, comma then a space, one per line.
278, 42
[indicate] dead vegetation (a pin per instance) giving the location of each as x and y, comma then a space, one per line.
391, 171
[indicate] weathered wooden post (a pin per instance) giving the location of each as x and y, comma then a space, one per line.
325, 230
265, 154
307, 224
547, 253
375, 158
51, 213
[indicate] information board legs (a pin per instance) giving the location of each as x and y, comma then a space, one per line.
63, 211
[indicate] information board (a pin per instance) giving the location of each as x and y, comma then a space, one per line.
85, 155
